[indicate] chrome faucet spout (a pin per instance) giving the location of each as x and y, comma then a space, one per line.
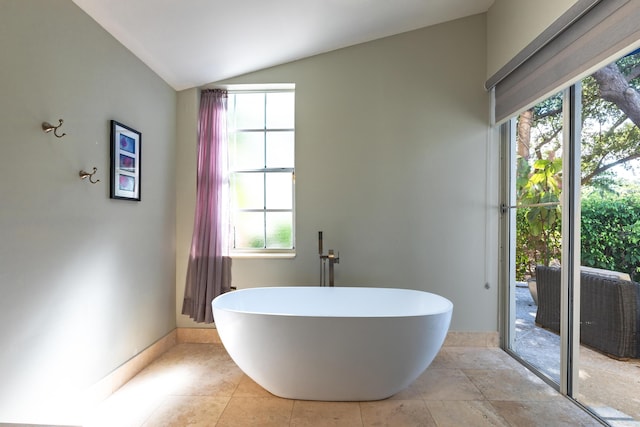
333, 259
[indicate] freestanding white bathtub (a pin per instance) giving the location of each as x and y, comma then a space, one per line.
332, 343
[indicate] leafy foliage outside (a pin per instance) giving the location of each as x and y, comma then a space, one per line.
538, 228
611, 233
280, 238
610, 138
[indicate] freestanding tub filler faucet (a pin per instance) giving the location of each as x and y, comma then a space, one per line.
331, 257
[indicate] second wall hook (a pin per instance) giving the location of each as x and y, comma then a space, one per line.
48, 127
84, 174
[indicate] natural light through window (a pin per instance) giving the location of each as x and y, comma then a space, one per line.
262, 170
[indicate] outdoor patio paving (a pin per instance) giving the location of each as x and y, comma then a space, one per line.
609, 387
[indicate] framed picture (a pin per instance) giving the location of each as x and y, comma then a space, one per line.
126, 144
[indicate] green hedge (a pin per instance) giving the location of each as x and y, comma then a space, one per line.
611, 233
610, 237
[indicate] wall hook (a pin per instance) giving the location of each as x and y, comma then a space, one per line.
84, 174
48, 127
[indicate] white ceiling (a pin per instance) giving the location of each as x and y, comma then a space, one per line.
191, 43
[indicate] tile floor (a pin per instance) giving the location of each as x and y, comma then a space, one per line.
199, 385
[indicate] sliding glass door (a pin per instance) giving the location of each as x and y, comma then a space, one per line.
609, 359
535, 213
572, 218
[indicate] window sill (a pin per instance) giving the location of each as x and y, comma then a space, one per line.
263, 255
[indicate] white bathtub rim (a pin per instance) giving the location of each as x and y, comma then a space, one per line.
445, 302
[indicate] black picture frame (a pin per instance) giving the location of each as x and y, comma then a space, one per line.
126, 162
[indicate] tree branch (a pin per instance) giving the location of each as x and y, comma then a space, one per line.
549, 113
587, 178
615, 88
545, 140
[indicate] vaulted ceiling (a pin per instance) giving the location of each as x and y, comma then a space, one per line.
190, 43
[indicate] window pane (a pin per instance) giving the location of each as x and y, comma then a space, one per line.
249, 111
537, 232
249, 230
279, 230
247, 150
280, 110
610, 232
248, 190
280, 149
279, 190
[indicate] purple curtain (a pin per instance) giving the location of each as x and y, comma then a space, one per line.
209, 268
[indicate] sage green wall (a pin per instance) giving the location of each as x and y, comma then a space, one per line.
513, 24
186, 157
86, 282
394, 162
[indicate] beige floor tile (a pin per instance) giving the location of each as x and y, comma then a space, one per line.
396, 413
130, 406
465, 413
471, 339
413, 392
308, 413
558, 413
196, 358
509, 384
476, 358
256, 411
134, 402
193, 411
447, 384
191, 354
194, 379
190, 384
249, 388
441, 361
222, 381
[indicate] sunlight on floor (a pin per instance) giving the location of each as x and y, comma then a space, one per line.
198, 384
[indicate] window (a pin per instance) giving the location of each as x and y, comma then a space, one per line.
262, 173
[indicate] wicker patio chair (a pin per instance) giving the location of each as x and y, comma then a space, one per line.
609, 311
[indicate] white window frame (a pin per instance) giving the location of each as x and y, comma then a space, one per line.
265, 252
